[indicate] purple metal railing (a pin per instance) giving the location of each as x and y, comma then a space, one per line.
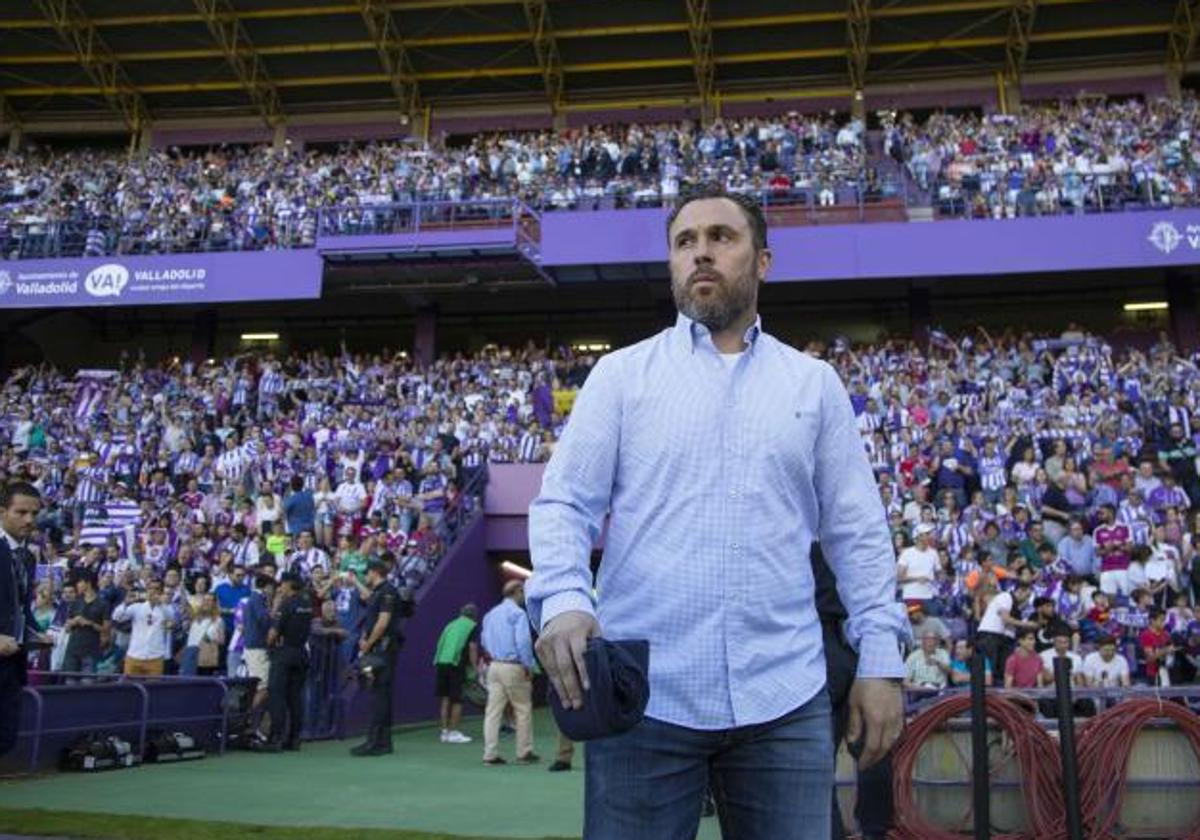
48, 685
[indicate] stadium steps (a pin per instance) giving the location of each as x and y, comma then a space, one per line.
919, 201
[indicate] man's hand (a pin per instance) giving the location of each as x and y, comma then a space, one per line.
363, 647
8, 646
560, 649
876, 717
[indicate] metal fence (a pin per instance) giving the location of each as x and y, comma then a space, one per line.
1083, 194
847, 199
56, 714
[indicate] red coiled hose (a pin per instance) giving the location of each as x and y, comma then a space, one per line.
1105, 744
1037, 755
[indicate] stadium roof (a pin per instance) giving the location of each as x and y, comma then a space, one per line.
151, 60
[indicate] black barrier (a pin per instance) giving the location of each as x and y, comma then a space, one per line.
981, 792
1066, 743
326, 688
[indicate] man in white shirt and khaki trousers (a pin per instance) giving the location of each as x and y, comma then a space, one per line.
151, 621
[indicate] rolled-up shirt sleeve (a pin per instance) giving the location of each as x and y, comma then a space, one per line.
855, 539
567, 516
524, 641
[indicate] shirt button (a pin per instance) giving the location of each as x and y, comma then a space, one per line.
736, 547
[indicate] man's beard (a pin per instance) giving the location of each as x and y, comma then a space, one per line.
719, 310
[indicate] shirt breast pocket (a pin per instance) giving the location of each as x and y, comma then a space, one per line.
655, 435
792, 434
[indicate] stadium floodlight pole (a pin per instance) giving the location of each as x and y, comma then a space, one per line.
858, 39
79, 33
1016, 48
393, 55
1181, 40
703, 63
230, 34
545, 46
980, 783
1066, 744
11, 122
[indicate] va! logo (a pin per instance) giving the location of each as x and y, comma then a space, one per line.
6, 282
1165, 237
106, 280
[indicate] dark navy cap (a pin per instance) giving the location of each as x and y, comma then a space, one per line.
619, 688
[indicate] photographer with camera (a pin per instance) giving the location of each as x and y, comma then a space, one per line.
289, 663
377, 655
150, 620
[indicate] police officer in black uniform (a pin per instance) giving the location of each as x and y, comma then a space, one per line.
377, 655
289, 662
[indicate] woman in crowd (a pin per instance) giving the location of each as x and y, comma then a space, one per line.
205, 638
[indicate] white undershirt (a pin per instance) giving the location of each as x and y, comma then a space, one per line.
731, 359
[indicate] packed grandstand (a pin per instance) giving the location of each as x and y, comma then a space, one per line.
1063, 157
1060, 463
300, 296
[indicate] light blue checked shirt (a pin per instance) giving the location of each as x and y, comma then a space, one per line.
505, 634
718, 479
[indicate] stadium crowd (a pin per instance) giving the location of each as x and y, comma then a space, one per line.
256, 197
1043, 489
1070, 156
173, 493
1063, 157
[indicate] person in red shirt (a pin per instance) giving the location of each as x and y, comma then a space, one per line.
1107, 469
1156, 646
1024, 668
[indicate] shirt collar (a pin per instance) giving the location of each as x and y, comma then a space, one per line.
689, 334
13, 543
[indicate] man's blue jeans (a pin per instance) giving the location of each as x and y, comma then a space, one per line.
770, 781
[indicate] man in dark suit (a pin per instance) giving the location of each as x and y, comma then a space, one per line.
873, 807
19, 504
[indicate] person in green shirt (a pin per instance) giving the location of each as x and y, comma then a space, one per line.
1030, 546
458, 645
278, 542
37, 436
350, 559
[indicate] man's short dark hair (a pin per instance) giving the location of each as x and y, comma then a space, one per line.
17, 488
378, 566
1060, 628
82, 575
1105, 640
749, 206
